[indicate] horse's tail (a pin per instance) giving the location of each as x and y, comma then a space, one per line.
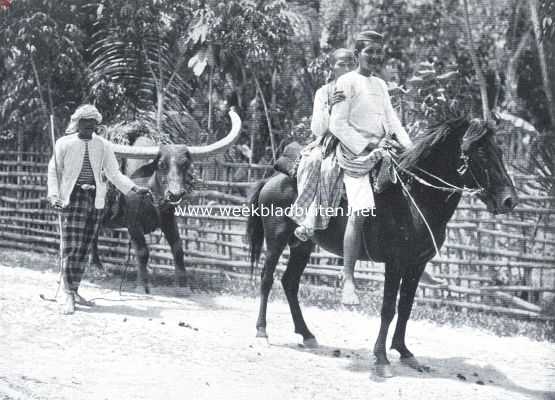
255, 229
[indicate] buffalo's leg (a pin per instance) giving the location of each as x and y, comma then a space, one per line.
141, 252
298, 258
276, 232
169, 226
391, 287
406, 300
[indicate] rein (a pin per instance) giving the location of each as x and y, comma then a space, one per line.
448, 188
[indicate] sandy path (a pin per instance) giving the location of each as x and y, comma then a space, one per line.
136, 349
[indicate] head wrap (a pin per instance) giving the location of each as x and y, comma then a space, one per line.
341, 54
370, 36
85, 111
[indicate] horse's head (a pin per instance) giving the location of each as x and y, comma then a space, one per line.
482, 167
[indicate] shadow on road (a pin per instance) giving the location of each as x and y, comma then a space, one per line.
453, 368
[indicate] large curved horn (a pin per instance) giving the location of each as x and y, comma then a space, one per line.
222, 144
139, 152
149, 152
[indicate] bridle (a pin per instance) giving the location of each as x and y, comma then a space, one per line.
462, 169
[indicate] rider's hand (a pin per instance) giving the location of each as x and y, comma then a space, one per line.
391, 144
140, 189
55, 202
338, 97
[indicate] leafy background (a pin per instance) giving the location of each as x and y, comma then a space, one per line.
173, 68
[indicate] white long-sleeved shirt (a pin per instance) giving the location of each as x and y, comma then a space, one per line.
70, 151
321, 109
366, 114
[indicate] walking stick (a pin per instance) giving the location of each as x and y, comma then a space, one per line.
53, 138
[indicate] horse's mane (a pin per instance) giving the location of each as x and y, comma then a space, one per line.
426, 140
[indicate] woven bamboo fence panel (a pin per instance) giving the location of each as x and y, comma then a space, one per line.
503, 264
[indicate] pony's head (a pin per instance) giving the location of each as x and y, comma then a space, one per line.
481, 167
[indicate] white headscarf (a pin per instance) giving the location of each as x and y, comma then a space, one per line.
85, 111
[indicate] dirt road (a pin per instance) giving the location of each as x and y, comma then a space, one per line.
203, 347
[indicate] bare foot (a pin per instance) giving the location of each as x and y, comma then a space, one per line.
69, 304
303, 233
82, 301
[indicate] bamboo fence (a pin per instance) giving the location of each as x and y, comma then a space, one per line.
502, 264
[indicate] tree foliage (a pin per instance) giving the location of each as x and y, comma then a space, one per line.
176, 66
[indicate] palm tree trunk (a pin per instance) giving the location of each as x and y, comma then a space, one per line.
39, 88
476, 64
512, 81
268, 120
541, 55
210, 84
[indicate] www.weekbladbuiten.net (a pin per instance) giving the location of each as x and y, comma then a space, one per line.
265, 211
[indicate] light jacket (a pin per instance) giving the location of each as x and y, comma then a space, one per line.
70, 151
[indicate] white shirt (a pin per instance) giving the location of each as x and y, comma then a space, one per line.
320, 111
366, 114
70, 151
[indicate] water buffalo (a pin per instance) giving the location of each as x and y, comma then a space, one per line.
167, 171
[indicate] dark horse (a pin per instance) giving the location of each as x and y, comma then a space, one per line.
459, 152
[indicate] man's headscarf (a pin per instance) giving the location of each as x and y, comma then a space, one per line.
370, 36
85, 111
343, 54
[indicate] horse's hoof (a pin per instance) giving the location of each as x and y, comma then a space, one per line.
147, 289
310, 343
413, 363
183, 291
261, 333
384, 370
350, 298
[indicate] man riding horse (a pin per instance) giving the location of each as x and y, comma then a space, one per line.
455, 157
361, 115
360, 123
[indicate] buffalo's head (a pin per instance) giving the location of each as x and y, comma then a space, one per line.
170, 173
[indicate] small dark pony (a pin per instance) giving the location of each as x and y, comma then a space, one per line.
445, 160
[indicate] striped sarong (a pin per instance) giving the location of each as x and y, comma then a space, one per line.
81, 221
319, 186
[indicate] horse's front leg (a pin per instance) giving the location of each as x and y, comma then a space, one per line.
391, 287
406, 300
168, 224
